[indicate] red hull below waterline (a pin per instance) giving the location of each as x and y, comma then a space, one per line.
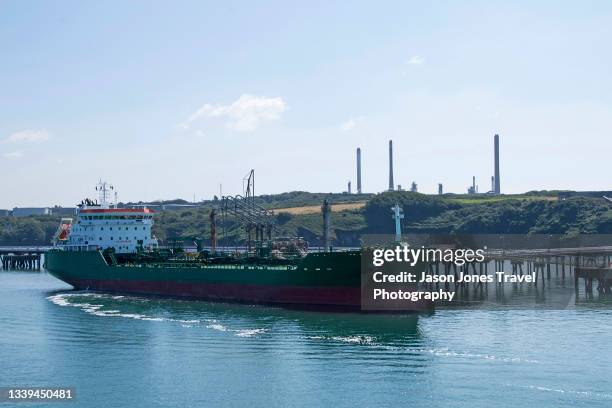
340, 297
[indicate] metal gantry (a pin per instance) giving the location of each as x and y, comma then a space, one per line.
251, 216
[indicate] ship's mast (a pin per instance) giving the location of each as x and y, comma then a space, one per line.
104, 190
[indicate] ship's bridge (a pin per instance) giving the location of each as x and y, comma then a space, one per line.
105, 225
124, 229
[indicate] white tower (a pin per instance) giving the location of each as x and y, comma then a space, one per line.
397, 216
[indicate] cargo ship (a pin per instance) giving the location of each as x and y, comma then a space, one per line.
112, 249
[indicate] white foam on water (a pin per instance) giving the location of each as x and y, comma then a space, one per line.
97, 310
217, 326
354, 339
59, 300
249, 332
448, 353
587, 394
439, 352
367, 340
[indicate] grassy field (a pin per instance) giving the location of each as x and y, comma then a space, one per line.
314, 209
481, 199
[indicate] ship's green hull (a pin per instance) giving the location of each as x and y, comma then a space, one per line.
325, 279
319, 280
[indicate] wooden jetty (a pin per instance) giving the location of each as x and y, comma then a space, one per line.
21, 258
587, 265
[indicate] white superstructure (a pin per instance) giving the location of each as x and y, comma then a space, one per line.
101, 225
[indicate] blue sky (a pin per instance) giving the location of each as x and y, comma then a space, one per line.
171, 99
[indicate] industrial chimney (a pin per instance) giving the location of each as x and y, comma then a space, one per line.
390, 165
358, 170
440, 189
496, 149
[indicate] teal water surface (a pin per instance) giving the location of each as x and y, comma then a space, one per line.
126, 351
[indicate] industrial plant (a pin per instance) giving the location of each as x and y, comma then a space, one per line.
472, 189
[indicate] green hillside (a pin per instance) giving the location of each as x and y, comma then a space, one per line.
537, 212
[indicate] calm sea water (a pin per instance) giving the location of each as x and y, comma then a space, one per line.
125, 351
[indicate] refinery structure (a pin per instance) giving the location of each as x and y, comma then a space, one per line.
471, 189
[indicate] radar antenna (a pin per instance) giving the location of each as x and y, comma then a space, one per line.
104, 189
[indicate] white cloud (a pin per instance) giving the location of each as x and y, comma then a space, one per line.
13, 155
350, 124
416, 60
28, 136
243, 115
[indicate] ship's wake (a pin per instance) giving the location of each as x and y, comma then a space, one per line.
97, 304
146, 309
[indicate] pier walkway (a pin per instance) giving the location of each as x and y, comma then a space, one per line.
587, 265
23, 258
